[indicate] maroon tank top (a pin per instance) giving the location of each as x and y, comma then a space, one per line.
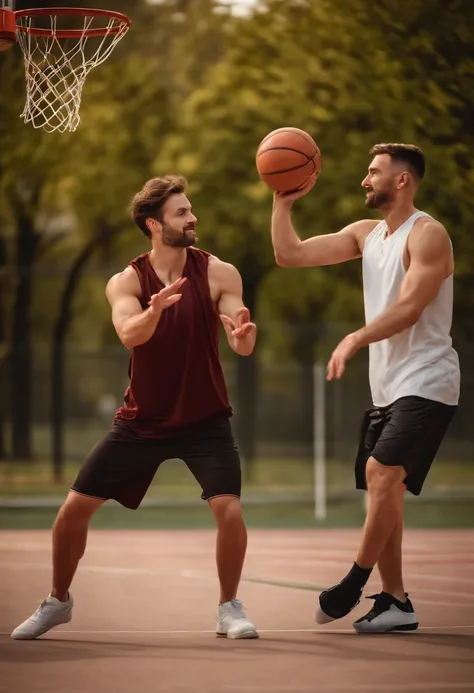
176, 378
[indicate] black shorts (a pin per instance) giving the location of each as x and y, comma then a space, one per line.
407, 433
122, 465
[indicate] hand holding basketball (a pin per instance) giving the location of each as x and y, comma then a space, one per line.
300, 192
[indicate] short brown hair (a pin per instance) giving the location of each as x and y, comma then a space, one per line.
409, 154
150, 200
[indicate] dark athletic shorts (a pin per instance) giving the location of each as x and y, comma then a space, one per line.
123, 464
407, 433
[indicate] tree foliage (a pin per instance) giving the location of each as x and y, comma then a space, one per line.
192, 89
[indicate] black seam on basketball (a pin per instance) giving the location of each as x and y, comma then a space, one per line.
302, 186
284, 149
306, 137
316, 151
288, 170
314, 169
289, 149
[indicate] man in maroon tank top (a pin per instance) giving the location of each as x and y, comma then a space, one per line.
167, 308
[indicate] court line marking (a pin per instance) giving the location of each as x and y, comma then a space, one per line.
338, 688
288, 584
196, 575
260, 630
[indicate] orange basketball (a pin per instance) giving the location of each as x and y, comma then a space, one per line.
286, 158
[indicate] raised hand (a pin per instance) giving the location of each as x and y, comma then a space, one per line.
293, 195
166, 297
242, 327
242, 333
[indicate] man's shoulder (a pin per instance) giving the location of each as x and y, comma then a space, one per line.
126, 281
218, 265
362, 229
426, 223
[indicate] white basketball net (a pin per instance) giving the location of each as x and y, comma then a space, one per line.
56, 68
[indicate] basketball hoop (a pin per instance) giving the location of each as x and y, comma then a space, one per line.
7, 29
61, 45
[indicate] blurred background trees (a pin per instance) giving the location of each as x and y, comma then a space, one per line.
193, 88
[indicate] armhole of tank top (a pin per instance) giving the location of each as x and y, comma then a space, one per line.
419, 214
369, 235
140, 279
207, 261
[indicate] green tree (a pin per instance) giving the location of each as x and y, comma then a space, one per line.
29, 164
350, 83
103, 185
260, 84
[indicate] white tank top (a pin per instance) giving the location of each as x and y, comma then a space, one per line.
420, 360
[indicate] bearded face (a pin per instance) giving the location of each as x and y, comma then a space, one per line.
178, 225
376, 199
381, 182
179, 236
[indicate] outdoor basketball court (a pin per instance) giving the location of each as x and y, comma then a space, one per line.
146, 600
145, 605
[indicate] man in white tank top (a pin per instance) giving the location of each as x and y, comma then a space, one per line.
414, 373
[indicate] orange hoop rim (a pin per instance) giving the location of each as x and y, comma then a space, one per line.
72, 33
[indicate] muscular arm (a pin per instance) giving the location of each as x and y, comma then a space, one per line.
134, 325
226, 282
328, 249
430, 258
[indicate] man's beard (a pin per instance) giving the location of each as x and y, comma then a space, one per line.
176, 239
376, 200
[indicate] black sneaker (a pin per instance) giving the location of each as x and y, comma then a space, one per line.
388, 614
337, 602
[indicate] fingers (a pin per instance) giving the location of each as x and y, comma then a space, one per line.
167, 296
301, 191
171, 300
336, 367
171, 289
233, 329
243, 331
330, 369
243, 316
228, 324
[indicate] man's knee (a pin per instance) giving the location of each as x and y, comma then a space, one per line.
383, 479
78, 509
226, 509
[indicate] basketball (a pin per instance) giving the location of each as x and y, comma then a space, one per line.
286, 158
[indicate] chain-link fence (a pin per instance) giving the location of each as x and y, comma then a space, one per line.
285, 425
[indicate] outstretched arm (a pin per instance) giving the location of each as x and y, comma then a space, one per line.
431, 262
329, 249
134, 325
235, 317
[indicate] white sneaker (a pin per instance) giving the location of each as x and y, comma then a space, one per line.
232, 621
388, 614
50, 613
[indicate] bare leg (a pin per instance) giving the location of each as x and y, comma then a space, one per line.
383, 485
390, 561
69, 540
382, 534
231, 544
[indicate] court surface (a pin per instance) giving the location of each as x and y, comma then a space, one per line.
145, 604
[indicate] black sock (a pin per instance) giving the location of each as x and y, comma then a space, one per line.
358, 576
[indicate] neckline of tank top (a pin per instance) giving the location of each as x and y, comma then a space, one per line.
184, 273
387, 238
